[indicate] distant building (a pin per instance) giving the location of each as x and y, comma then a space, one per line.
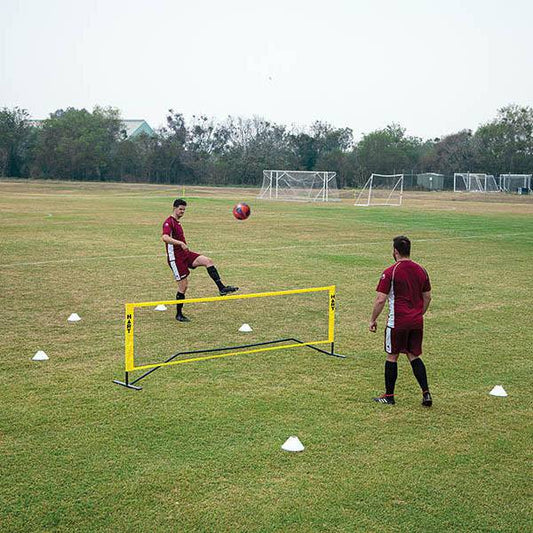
133, 128
130, 128
430, 181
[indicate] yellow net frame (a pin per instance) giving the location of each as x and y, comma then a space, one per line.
129, 326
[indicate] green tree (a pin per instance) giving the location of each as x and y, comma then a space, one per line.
506, 143
133, 158
305, 150
388, 151
168, 162
321, 147
207, 141
254, 145
15, 142
452, 153
77, 144
334, 151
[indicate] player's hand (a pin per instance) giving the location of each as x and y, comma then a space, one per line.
184, 246
373, 326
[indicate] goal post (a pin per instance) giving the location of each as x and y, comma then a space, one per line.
475, 182
381, 189
310, 338
299, 185
514, 182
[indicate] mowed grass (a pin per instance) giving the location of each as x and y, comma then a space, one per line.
198, 449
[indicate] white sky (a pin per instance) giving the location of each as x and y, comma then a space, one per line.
434, 66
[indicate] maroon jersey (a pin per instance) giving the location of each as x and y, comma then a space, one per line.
173, 228
404, 282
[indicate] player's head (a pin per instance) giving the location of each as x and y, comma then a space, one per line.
179, 207
402, 246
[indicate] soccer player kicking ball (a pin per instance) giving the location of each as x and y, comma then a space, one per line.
406, 285
180, 259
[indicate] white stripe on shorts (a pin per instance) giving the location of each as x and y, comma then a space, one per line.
170, 252
388, 344
175, 270
172, 261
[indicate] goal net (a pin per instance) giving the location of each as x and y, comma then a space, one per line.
474, 182
381, 189
513, 182
223, 326
299, 185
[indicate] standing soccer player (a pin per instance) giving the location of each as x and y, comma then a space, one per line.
406, 285
180, 259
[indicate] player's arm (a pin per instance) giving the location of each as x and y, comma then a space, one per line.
170, 240
379, 303
426, 296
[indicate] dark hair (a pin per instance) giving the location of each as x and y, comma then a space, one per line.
179, 202
402, 245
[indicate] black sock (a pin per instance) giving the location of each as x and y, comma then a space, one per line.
179, 307
213, 272
419, 370
391, 373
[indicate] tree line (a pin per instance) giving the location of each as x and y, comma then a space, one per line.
81, 145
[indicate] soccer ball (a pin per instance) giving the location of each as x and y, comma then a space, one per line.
241, 211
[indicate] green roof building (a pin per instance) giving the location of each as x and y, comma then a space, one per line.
133, 128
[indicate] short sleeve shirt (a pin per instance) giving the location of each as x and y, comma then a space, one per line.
173, 228
404, 282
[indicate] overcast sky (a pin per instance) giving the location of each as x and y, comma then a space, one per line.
434, 66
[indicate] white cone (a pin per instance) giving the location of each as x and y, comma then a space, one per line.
245, 328
293, 444
498, 390
40, 356
74, 317
160, 307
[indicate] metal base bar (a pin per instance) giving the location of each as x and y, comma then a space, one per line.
129, 386
332, 353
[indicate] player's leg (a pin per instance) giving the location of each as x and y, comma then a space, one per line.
417, 365
391, 367
180, 295
181, 271
202, 260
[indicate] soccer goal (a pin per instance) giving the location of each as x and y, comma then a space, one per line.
299, 185
474, 182
290, 319
381, 189
514, 182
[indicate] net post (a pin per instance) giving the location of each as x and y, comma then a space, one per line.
331, 316
128, 347
128, 337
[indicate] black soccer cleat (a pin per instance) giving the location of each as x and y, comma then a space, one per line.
427, 400
387, 399
227, 289
182, 318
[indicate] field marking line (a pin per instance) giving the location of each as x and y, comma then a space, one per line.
279, 248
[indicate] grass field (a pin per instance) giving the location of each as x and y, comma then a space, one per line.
198, 449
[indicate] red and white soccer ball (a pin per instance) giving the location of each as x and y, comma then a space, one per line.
241, 211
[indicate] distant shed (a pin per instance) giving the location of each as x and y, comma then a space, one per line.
430, 181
